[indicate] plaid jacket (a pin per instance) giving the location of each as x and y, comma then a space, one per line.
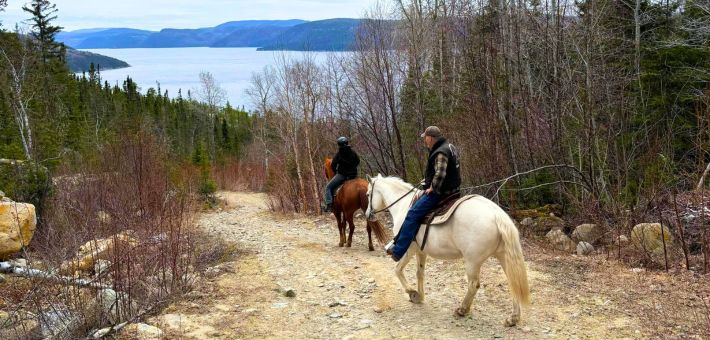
439, 173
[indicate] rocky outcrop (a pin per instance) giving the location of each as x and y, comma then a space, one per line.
17, 226
560, 241
102, 249
589, 233
649, 237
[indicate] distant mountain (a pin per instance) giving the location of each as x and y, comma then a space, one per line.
169, 37
79, 61
104, 38
323, 35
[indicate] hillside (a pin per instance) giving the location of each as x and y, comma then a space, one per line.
323, 35
328, 35
79, 61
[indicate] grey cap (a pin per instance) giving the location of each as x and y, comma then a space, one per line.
433, 131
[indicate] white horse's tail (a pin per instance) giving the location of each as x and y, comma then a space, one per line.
514, 265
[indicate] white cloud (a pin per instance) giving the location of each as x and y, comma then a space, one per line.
157, 14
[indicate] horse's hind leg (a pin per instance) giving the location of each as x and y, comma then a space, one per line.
473, 271
515, 317
341, 227
349, 219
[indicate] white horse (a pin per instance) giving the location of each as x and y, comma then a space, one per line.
477, 230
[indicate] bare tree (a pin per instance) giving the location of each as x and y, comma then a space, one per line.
16, 68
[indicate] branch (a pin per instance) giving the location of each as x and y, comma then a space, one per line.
6, 267
702, 178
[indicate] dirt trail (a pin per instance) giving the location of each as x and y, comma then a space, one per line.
352, 293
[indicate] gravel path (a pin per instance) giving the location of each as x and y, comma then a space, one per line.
352, 293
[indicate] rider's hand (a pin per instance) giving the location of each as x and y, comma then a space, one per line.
428, 191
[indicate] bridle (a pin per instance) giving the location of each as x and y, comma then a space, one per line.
372, 192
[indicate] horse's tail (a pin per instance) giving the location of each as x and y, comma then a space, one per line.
376, 226
514, 265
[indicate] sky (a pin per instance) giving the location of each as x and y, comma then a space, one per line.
158, 14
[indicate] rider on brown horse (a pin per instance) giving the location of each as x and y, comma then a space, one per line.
344, 166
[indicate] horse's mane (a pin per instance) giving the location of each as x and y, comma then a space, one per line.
397, 181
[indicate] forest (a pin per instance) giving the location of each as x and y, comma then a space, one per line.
593, 111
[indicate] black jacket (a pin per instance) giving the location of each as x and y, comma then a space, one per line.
345, 162
452, 180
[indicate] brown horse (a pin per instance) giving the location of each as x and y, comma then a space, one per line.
353, 196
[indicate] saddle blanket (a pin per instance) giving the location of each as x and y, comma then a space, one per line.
442, 213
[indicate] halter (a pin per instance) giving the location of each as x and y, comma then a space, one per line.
389, 206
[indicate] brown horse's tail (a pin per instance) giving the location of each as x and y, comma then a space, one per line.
376, 226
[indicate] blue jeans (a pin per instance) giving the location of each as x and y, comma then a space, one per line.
334, 183
412, 222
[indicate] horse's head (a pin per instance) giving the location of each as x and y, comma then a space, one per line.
375, 199
328, 170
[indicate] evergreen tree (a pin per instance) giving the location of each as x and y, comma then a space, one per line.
43, 13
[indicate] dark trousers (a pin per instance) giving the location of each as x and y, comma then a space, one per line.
412, 222
334, 183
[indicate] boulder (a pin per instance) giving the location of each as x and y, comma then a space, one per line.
142, 331
18, 325
17, 226
647, 237
589, 233
545, 224
527, 222
94, 250
560, 241
584, 248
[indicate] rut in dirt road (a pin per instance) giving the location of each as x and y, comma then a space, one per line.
353, 292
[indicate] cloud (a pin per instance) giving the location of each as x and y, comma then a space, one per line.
157, 14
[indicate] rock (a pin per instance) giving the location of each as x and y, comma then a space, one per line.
101, 266
622, 240
378, 310
58, 322
584, 248
527, 222
335, 315
100, 249
116, 304
589, 233
6, 200
337, 303
22, 263
560, 241
17, 226
647, 237
20, 325
103, 217
142, 331
547, 223
2, 194
289, 292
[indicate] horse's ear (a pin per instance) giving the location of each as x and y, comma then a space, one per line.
369, 179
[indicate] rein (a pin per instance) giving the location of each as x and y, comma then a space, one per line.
389, 206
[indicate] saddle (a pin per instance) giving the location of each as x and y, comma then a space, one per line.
442, 212
348, 179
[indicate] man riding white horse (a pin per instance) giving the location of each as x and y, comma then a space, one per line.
442, 179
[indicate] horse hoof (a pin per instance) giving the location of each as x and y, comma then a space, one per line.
414, 296
349, 245
510, 322
371, 248
340, 245
460, 312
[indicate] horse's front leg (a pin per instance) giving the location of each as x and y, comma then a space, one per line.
421, 264
399, 271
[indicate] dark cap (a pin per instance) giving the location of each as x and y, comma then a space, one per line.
432, 131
